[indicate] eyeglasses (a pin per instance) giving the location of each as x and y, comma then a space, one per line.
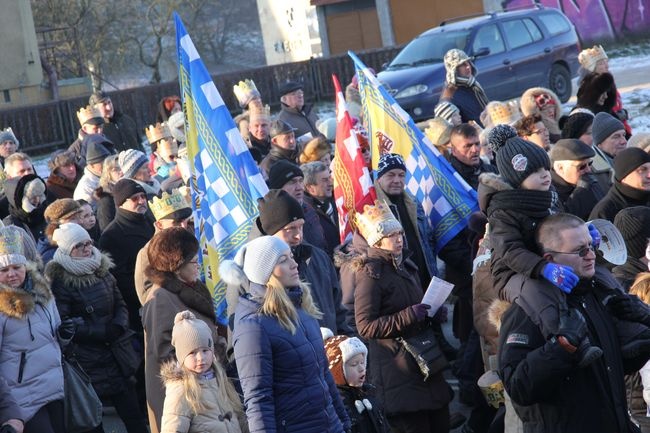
582, 252
539, 131
583, 165
81, 245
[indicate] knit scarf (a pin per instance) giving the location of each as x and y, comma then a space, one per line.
534, 204
475, 86
79, 265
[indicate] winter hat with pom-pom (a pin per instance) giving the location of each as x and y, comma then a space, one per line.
517, 159
498, 135
189, 334
254, 261
339, 349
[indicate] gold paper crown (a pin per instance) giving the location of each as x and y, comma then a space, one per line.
589, 57
157, 132
167, 204
376, 222
256, 113
87, 113
245, 91
10, 242
503, 113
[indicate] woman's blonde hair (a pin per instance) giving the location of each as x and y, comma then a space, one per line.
641, 287
105, 181
227, 394
277, 304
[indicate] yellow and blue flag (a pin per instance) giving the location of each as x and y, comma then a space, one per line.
447, 199
226, 182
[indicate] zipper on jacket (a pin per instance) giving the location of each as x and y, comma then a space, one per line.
21, 366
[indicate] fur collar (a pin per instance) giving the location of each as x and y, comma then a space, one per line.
55, 272
496, 311
171, 372
490, 184
18, 303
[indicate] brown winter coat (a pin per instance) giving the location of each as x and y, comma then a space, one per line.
383, 296
167, 297
178, 416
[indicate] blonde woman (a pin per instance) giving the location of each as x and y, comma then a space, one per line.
278, 345
111, 173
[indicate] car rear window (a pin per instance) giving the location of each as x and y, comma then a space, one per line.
555, 23
430, 48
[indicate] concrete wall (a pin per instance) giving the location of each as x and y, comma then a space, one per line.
21, 64
284, 30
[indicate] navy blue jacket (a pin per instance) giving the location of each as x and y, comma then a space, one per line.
285, 377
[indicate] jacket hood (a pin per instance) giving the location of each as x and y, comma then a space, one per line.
171, 372
14, 188
490, 184
496, 311
18, 303
529, 106
54, 271
350, 249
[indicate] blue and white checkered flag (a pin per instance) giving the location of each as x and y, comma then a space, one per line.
226, 182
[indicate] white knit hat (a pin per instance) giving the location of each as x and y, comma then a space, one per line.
255, 260
130, 161
68, 235
189, 334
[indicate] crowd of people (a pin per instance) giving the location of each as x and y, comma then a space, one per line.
99, 265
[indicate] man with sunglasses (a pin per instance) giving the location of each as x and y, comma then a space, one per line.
577, 188
631, 184
550, 392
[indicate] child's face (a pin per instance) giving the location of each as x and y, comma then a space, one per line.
199, 361
355, 370
87, 217
538, 181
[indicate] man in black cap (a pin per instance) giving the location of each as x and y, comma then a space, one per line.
289, 177
118, 127
631, 184
634, 225
296, 113
608, 140
283, 146
283, 217
124, 237
576, 186
98, 148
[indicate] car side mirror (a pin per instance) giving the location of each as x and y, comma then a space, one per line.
483, 51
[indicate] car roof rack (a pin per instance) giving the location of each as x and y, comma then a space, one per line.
535, 5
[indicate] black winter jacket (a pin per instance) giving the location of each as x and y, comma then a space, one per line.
90, 343
626, 273
122, 132
619, 197
122, 239
581, 198
371, 420
549, 391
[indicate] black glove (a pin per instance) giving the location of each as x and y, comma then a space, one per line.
629, 307
69, 326
573, 327
113, 332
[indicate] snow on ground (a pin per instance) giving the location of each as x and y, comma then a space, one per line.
637, 103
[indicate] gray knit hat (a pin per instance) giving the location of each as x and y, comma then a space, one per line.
255, 260
8, 135
189, 334
605, 125
518, 159
130, 161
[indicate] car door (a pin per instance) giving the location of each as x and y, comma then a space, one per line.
495, 73
527, 57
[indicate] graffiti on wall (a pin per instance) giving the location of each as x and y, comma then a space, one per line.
597, 20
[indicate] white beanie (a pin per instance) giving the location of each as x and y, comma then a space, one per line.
256, 260
189, 334
130, 161
68, 235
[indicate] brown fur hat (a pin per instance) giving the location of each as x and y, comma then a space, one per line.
171, 248
315, 150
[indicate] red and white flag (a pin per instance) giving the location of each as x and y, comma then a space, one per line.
352, 182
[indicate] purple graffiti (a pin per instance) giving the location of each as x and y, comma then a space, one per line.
597, 20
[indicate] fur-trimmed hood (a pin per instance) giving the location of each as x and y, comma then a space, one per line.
490, 184
18, 303
54, 271
355, 254
496, 311
529, 106
171, 372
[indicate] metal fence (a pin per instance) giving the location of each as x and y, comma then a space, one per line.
44, 127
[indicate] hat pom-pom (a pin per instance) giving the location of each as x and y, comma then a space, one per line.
326, 333
232, 273
498, 136
184, 315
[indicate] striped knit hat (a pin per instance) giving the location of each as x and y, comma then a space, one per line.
340, 349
